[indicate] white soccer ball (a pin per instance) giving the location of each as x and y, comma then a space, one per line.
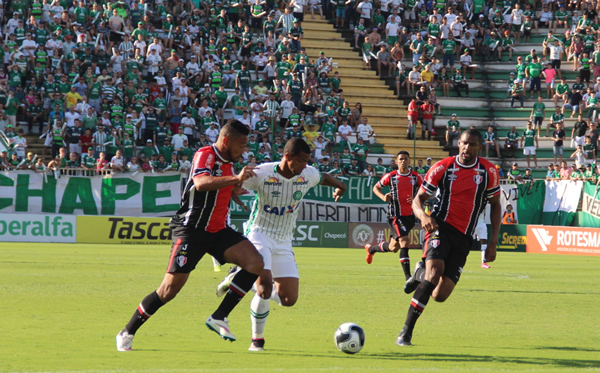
349, 338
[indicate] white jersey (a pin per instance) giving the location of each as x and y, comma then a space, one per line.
277, 200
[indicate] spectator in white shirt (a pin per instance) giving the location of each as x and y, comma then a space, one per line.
365, 131
177, 140
116, 163
189, 124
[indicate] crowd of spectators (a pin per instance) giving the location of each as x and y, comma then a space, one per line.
147, 83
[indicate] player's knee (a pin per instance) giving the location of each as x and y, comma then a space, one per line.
440, 297
288, 300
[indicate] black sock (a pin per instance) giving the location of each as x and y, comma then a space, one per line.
405, 261
419, 274
147, 308
241, 284
383, 247
418, 303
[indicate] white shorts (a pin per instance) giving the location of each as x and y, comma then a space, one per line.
529, 150
278, 256
480, 232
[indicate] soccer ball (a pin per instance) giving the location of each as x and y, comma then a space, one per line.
349, 338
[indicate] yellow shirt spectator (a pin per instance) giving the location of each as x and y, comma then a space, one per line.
72, 98
427, 76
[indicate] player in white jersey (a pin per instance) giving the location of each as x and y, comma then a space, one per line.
481, 235
279, 188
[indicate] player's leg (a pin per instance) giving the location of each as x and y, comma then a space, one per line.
281, 265
433, 272
404, 225
483, 249
259, 307
183, 259
230, 246
384, 247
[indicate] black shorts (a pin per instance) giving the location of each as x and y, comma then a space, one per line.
188, 249
537, 121
449, 245
115, 37
401, 226
555, 64
584, 75
245, 52
299, 16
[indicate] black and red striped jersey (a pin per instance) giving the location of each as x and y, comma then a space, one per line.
205, 211
463, 191
403, 187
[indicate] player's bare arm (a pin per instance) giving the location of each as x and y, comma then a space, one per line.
384, 197
427, 222
205, 183
340, 187
496, 218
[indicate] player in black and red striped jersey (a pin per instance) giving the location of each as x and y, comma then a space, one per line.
465, 184
404, 184
200, 227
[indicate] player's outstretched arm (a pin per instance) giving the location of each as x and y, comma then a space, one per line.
340, 187
205, 183
496, 219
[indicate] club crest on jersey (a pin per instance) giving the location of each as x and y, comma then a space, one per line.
181, 260
280, 210
478, 179
434, 243
297, 195
300, 181
273, 181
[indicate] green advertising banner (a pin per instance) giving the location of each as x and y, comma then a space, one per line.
590, 206
312, 234
512, 237
118, 194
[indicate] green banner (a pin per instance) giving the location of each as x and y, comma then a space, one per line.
312, 234
121, 194
590, 206
529, 202
512, 237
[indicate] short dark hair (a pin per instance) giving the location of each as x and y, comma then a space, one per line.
403, 152
296, 146
473, 132
234, 128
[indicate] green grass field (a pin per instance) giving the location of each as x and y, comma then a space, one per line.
62, 305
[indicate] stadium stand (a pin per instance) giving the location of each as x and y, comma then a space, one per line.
188, 28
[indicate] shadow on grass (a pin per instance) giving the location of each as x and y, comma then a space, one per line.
532, 292
455, 358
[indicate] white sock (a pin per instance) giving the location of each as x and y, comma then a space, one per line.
275, 296
259, 310
483, 248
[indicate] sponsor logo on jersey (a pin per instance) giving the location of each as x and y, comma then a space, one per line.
219, 172
300, 181
273, 181
209, 159
280, 210
275, 193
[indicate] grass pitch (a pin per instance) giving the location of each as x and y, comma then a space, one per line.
62, 305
